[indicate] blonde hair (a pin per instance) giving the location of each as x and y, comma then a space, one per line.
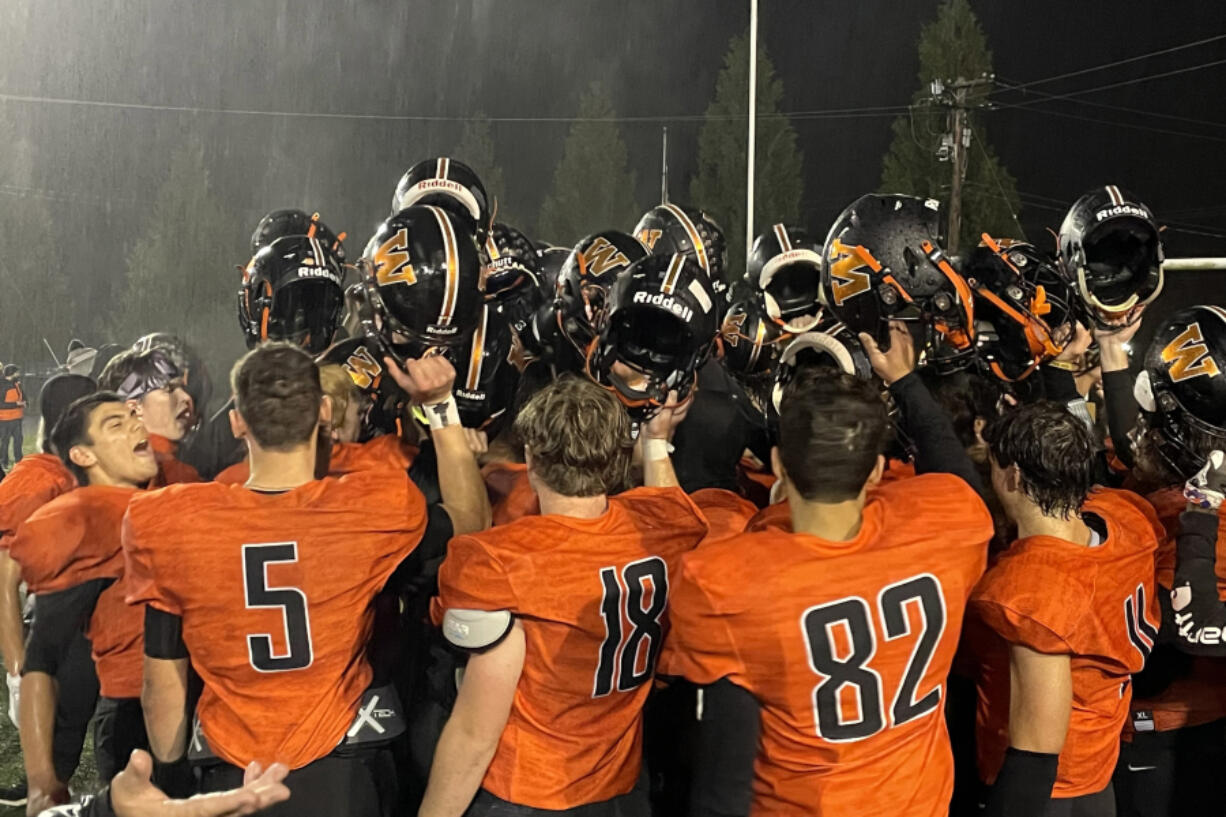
339, 387
578, 435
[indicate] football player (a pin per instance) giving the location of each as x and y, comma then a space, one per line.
828, 660
548, 716
154, 388
71, 559
1073, 613
291, 564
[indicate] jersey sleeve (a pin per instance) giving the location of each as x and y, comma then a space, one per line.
726, 513
1035, 605
140, 573
700, 646
472, 577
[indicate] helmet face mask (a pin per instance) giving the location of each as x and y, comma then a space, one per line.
584, 282
785, 263
451, 185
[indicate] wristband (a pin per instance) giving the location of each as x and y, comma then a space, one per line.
656, 449
1064, 366
442, 415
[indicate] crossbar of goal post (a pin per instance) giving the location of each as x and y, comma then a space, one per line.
1193, 264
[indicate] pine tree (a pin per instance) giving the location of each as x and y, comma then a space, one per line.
718, 186
593, 187
181, 276
952, 46
476, 149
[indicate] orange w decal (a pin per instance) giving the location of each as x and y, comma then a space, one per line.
1189, 356
650, 237
391, 261
362, 368
847, 276
732, 327
602, 257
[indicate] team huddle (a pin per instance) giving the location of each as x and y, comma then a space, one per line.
492, 527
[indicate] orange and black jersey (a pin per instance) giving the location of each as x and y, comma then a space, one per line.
33, 482
1097, 604
844, 645
275, 610
388, 451
71, 558
511, 495
171, 470
592, 598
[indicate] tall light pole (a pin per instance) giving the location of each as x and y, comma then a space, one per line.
753, 127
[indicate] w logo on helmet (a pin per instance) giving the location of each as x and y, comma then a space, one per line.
1189, 356
362, 368
601, 257
847, 276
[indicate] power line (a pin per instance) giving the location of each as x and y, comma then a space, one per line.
1010, 86
1106, 65
828, 113
1130, 125
1004, 197
1186, 69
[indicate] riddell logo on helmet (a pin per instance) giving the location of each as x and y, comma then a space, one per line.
665, 302
465, 394
436, 329
1120, 210
318, 272
438, 184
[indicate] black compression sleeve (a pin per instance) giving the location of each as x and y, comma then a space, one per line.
419, 570
164, 635
1121, 412
938, 449
1200, 619
1058, 385
1023, 787
722, 784
58, 619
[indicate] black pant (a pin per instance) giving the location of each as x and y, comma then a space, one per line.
635, 803
349, 784
75, 701
10, 430
1101, 804
1173, 773
119, 727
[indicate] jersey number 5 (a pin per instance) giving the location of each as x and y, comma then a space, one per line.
291, 601
619, 664
845, 663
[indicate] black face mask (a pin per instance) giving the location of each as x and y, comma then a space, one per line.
306, 314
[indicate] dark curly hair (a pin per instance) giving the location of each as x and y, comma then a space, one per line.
277, 392
1053, 452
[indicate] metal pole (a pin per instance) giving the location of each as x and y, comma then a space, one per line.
1194, 264
753, 127
959, 159
664, 169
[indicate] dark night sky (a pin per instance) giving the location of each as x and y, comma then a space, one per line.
533, 57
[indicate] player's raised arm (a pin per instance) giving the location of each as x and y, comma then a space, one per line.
428, 383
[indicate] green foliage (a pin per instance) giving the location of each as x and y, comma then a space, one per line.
718, 186
476, 149
177, 278
593, 187
952, 46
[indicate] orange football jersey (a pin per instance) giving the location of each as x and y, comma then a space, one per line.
1096, 604
387, 451
845, 645
33, 482
171, 471
275, 592
73, 539
592, 596
511, 495
726, 513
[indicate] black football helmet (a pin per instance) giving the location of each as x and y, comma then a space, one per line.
1182, 391
292, 291
1011, 310
584, 283
422, 275
486, 377
668, 229
658, 328
883, 261
512, 275
291, 221
542, 334
1111, 250
750, 339
449, 184
832, 345
384, 402
786, 264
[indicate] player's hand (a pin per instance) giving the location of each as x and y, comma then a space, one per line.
14, 687
1122, 329
427, 381
899, 361
664, 424
478, 441
1075, 339
134, 795
45, 794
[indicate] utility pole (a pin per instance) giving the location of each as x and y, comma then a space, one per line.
955, 145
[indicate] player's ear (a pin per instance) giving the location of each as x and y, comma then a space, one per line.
878, 471
777, 464
238, 426
82, 457
1013, 479
325, 410
979, 425
134, 406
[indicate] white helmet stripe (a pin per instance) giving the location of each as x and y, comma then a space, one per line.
453, 271
473, 381
781, 235
700, 249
